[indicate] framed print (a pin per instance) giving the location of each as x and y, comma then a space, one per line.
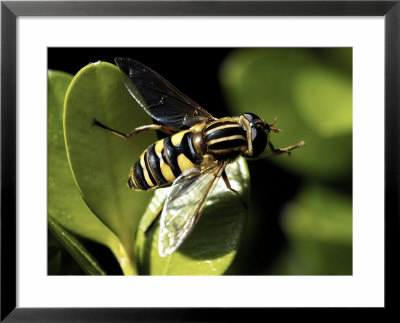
193, 70
222, 81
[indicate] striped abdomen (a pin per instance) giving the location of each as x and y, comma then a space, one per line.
162, 162
225, 139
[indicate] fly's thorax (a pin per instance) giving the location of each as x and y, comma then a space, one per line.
225, 139
256, 134
197, 144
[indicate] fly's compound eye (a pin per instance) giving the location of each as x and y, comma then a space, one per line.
250, 117
258, 139
257, 134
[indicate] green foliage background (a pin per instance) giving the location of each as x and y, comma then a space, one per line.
300, 216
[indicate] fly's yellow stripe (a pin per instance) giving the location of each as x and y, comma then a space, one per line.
227, 150
222, 127
177, 138
145, 172
184, 163
133, 179
214, 141
153, 174
165, 169
167, 172
198, 127
159, 147
225, 119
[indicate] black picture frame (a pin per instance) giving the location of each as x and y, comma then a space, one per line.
11, 10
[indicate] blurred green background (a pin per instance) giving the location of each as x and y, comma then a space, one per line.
300, 220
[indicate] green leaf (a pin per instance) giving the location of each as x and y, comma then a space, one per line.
101, 161
212, 246
64, 201
283, 82
75, 248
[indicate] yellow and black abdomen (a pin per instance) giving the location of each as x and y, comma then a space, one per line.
162, 162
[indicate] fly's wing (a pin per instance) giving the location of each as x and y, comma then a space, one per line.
159, 98
184, 206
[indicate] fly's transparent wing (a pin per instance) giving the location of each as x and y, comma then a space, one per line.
184, 206
159, 98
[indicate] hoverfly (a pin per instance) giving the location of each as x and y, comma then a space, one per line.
194, 154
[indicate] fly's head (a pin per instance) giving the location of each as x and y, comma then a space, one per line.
257, 132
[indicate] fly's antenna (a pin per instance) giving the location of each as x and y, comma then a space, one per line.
273, 124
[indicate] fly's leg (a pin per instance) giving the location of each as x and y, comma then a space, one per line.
229, 187
278, 151
165, 129
287, 150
